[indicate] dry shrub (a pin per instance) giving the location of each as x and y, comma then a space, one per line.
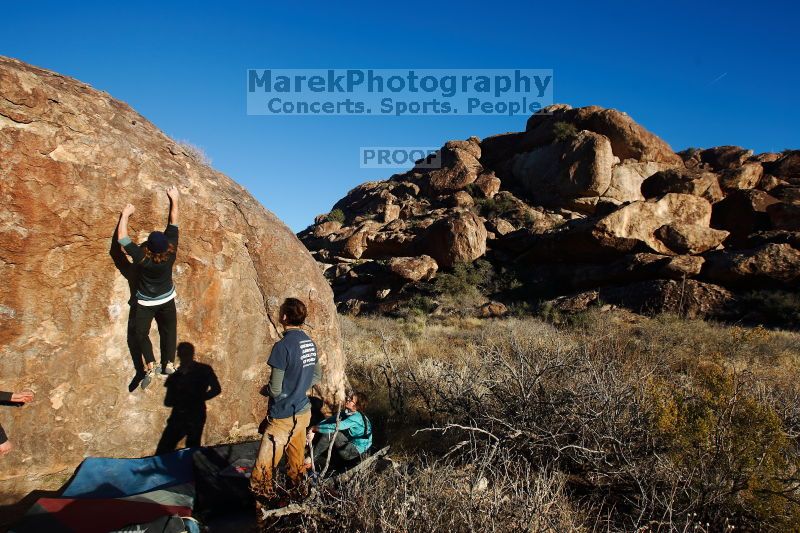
195, 152
434, 495
652, 424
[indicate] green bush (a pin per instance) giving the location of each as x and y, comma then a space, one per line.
780, 308
465, 279
419, 304
564, 131
498, 206
729, 447
337, 215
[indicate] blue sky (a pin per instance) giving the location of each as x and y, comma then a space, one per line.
695, 75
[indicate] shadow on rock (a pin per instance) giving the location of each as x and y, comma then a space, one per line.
188, 390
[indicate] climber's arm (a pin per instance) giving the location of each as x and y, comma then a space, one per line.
317, 373
124, 239
122, 227
172, 192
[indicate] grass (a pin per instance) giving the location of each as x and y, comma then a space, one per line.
614, 422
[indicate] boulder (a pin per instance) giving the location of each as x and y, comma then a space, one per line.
742, 213
421, 268
355, 245
461, 199
575, 168
784, 216
326, 228
759, 238
766, 157
725, 157
788, 166
636, 223
628, 139
492, 310
690, 238
458, 238
71, 157
767, 265
690, 298
391, 212
788, 194
769, 182
499, 148
683, 181
460, 167
488, 184
629, 268
627, 179
367, 198
746, 176
501, 226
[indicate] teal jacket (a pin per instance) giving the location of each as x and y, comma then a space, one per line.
354, 425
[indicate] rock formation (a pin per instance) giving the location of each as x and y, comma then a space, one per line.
583, 200
70, 158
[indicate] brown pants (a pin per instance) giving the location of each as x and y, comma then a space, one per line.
281, 434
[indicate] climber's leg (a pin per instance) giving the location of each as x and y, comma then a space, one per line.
167, 320
144, 317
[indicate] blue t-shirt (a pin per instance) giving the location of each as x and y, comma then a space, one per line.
296, 355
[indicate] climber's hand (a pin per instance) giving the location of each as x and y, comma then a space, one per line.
128, 210
22, 397
172, 192
5, 448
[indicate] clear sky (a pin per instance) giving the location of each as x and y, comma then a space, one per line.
694, 74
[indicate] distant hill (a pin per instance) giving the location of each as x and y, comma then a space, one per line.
585, 207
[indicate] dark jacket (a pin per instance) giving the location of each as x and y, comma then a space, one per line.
155, 279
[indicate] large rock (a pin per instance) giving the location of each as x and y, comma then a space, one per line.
742, 213
768, 265
488, 184
689, 298
421, 268
690, 238
683, 181
70, 158
635, 224
579, 167
785, 216
628, 139
725, 157
460, 167
627, 179
746, 176
459, 238
788, 166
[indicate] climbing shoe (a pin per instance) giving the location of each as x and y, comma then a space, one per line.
147, 379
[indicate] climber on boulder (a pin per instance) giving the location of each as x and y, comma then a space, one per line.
155, 294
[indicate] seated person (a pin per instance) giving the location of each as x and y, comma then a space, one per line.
353, 439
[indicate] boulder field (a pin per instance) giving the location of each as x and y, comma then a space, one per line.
70, 158
584, 206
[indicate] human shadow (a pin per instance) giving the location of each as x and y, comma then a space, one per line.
188, 390
131, 274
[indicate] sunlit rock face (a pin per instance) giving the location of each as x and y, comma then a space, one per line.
70, 158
